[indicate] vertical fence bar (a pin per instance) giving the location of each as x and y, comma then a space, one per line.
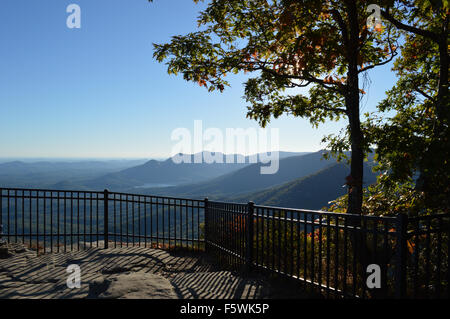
305, 247
65, 220
313, 273
37, 221
198, 225
120, 220
176, 234
320, 254
84, 220
400, 269
96, 215
90, 219
285, 242
57, 222
163, 221
23, 217
363, 253
151, 222
157, 222
344, 288
115, 220
249, 239
15, 216
71, 221
298, 245
328, 256
263, 236
139, 220
51, 222
127, 213
145, 221
132, 222
78, 220
448, 261
169, 221
385, 256
438, 270
1, 214
180, 234
192, 223
9, 217
336, 256
105, 218
206, 232
428, 253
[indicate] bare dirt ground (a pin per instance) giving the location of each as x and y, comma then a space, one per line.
132, 272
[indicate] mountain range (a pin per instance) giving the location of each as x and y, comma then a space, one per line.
44, 174
303, 180
311, 192
167, 173
249, 178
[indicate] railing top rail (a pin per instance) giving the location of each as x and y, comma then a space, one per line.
321, 212
94, 192
49, 190
228, 203
155, 196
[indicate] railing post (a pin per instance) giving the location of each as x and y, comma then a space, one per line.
206, 224
249, 237
1, 215
105, 218
400, 267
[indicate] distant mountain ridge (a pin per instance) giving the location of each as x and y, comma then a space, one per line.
44, 174
168, 172
249, 178
310, 192
304, 180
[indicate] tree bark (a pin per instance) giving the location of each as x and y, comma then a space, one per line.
439, 146
354, 181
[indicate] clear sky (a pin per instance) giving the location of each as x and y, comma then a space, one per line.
97, 92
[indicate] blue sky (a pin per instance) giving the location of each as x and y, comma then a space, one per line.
97, 92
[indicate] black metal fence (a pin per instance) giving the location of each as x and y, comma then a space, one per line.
331, 254
335, 254
55, 220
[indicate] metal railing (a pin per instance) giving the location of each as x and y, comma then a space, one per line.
329, 253
55, 220
333, 254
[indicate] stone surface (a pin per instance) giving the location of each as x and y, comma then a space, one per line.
138, 285
127, 272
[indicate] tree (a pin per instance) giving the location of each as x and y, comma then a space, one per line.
322, 45
417, 139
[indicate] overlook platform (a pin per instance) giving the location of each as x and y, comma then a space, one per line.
327, 253
128, 272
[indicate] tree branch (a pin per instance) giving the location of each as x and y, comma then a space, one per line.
425, 33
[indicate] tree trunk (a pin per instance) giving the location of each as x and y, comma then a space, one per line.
355, 195
433, 176
354, 181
